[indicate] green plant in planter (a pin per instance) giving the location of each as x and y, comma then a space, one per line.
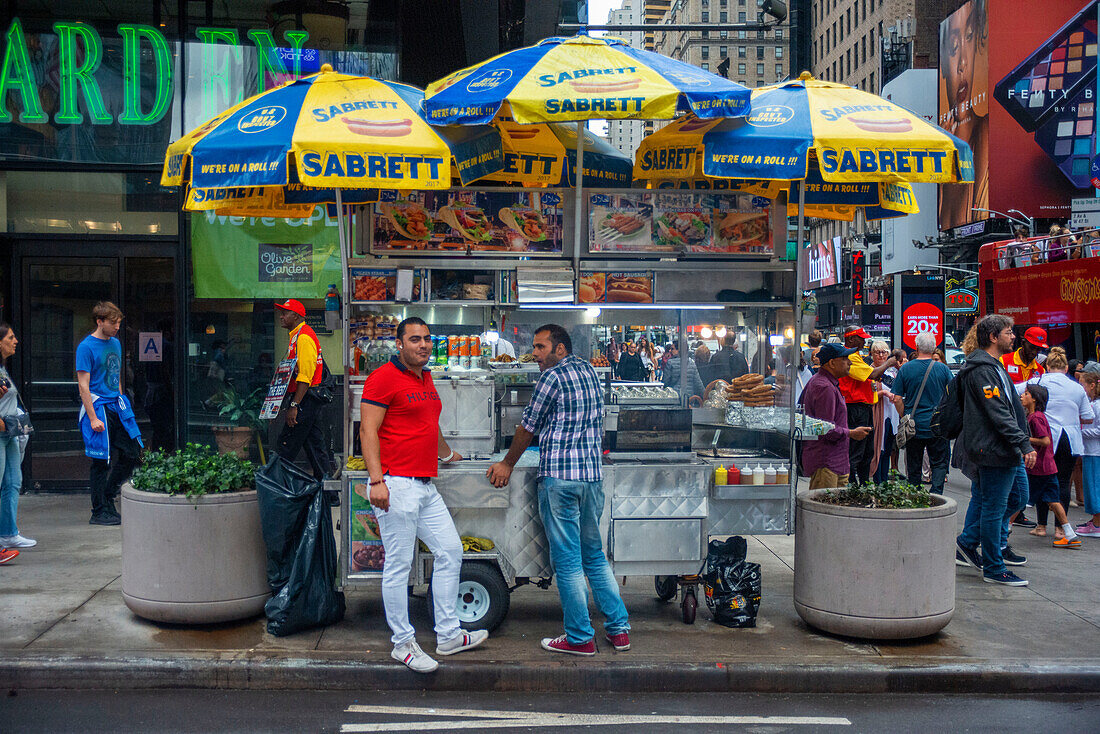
237, 409
896, 493
193, 471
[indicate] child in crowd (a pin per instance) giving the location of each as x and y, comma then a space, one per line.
1042, 478
1090, 460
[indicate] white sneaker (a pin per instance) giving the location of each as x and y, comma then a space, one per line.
17, 541
416, 659
461, 642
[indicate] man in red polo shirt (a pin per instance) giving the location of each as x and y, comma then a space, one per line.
402, 447
303, 413
1022, 365
858, 389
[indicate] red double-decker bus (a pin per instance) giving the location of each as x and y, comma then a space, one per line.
1063, 297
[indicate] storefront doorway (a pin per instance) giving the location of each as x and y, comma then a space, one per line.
56, 294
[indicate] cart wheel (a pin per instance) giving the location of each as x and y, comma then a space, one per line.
689, 605
483, 597
665, 586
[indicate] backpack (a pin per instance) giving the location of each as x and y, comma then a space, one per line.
947, 418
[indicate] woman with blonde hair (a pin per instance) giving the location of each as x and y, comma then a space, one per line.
1068, 409
970, 341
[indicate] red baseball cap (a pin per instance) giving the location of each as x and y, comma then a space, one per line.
857, 331
1037, 336
296, 307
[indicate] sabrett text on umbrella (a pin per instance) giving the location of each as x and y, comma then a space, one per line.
549, 80
526, 163
865, 160
323, 114
612, 104
353, 165
836, 113
667, 159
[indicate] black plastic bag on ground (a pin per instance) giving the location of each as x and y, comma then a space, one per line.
731, 584
301, 549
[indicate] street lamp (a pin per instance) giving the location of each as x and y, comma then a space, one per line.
1026, 221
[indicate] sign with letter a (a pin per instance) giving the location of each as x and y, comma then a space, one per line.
150, 346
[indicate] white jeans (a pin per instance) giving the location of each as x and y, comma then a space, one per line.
416, 509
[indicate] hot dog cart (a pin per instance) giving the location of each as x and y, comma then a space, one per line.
662, 441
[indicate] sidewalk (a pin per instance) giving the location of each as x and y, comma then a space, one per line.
65, 625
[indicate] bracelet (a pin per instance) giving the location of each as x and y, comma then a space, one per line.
449, 456
380, 481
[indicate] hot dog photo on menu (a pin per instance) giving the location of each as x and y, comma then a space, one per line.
629, 288
621, 223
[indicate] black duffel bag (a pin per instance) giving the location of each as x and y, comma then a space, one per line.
731, 584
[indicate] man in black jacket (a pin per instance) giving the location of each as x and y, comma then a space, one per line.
996, 438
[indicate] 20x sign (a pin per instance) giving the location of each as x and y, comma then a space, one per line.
921, 318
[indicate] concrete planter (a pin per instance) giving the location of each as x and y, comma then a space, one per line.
871, 573
193, 561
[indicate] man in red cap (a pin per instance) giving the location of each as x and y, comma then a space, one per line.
1021, 364
858, 389
303, 413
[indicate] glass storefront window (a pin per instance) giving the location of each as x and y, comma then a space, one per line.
93, 203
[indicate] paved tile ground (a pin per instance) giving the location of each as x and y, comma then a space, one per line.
64, 597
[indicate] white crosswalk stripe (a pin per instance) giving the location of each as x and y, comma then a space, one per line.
489, 719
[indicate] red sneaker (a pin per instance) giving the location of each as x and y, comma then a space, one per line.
560, 644
6, 554
620, 642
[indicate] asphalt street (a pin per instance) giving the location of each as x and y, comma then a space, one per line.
172, 711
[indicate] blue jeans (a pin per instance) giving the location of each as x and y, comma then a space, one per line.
11, 471
1017, 501
570, 514
988, 512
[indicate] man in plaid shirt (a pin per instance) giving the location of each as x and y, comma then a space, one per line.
566, 413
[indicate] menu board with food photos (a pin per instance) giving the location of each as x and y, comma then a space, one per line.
605, 287
468, 222
691, 223
366, 554
368, 285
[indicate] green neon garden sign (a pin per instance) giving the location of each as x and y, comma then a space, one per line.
147, 57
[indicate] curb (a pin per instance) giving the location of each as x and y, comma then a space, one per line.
258, 672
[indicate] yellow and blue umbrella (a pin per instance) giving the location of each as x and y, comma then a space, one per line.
855, 137
581, 78
327, 131
546, 155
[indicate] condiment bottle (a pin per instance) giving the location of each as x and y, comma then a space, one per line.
747, 475
770, 475
734, 475
721, 476
758, 475
782, 475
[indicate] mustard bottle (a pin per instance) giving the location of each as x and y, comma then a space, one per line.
721, 476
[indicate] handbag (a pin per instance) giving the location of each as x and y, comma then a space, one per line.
18, 424
907, 424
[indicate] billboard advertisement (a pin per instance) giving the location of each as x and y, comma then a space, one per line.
823, 264
919, 307
915, 90
1015, 80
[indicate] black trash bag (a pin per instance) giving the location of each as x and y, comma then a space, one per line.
301, 549
731, 584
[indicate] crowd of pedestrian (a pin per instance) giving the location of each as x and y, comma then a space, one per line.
1028, 431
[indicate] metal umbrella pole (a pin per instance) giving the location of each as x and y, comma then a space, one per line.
577, 209
797, 355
